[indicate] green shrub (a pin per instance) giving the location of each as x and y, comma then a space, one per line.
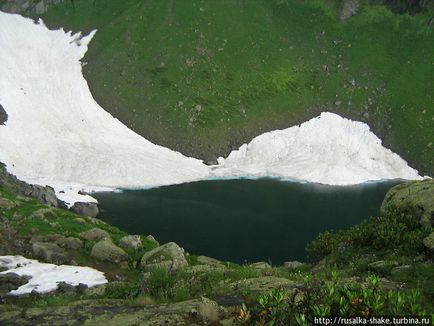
160, 283
324, 299
396, 232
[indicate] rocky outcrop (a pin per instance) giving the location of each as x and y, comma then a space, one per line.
210, 261
85, 209
11, 281
106, 250
169, 256
43, 194
50, 253
413, 198
201, 311
131, 242
3, 115
27, 7
95, 234
348, 9
261, 265
292, 264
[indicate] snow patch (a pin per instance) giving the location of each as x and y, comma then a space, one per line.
58, 135
327, 149
45, 277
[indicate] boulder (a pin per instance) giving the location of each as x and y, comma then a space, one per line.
45, 195
95, 234
428, 242
414, 198
85, 209
400, 271
131, 242
50, 253
348, 9
382, 266
10, 282
210, 261
3, 115
292, 264
69, 243
152, 239
169, 256
261, 265
106, 250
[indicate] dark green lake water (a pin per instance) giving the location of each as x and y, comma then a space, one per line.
242, 220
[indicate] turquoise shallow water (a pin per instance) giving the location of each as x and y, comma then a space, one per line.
242, 220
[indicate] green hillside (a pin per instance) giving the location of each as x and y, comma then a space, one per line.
202, 77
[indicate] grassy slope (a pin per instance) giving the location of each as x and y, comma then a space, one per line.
203, 77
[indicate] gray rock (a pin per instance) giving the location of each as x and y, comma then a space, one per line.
27, 7
10, 282
210, 261
45, 195
348, 9
94, 234
3, 115
85, 209
414, 198
50, 253
151, 238
169, 256
292, 264
106, 250
381, 266
400, 270
428, 242
69, 243
261, 265
131, 242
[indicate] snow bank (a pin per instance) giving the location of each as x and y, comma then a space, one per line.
58, 135
45, 277
327, 149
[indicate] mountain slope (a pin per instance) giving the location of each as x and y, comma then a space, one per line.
203, 77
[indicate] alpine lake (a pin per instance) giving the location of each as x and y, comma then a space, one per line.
242, 221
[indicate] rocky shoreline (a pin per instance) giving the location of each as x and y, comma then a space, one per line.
155, 284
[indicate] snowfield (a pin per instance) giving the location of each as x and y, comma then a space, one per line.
327, 149
45, 277
57, 135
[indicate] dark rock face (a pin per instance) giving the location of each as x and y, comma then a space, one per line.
85, 209
3, 115
27, 6
10, 282
45, 195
